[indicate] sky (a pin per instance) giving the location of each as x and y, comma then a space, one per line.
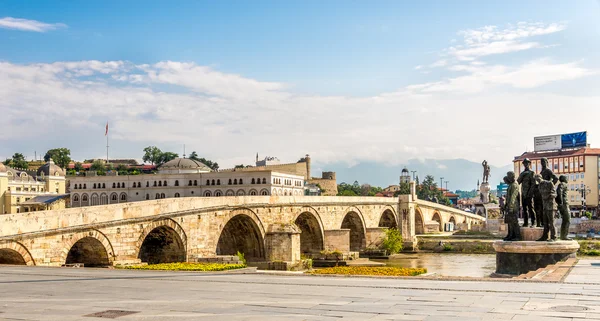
345, 81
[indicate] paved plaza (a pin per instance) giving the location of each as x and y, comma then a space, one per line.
38, 293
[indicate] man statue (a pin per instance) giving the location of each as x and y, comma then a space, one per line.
486, 171
511, 218
562, 200
527, 184
538, 204
548, 192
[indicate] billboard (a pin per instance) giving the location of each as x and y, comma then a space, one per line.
552, 142
574, 140
555, 142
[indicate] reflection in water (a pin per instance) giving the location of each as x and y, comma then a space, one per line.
446, 264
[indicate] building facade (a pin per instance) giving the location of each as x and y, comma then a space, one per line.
581, 166
181, 177
27, 191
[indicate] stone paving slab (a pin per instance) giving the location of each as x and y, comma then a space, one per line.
31, 293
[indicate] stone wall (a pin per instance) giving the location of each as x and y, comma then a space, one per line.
329, 185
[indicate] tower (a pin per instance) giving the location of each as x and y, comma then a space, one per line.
405, 176
307, 166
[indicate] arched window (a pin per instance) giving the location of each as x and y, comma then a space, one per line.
218, 193
176, 183
213, 182
147, 184
123, 185
253, 181
84, 198
218, 182
157, 196
85, 186
75, 186
252, 192
103, 185
79, 186
154, 183
241, 181
113, 197
118, 185
162, 195
235, 181
264, 181
76, 198
114, 185
195, 183
94, 185
165, 183
207, 182
207, 193
229, 182
264, 192
147, 196
177, 195
139, 184
190, 183
123, 197
159, 183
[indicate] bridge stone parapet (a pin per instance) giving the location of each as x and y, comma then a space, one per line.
193, 229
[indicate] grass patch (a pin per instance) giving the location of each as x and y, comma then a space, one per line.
478, 233
589, 248
205, 267
365, 270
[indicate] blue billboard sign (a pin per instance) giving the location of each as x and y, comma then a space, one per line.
574, 140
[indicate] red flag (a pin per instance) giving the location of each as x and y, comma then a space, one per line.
106, 133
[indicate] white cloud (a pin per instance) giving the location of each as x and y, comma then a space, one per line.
439, 63
28, 25
418, 67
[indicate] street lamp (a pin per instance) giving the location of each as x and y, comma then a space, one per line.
413, 172
584, 190
446, 185
441, 183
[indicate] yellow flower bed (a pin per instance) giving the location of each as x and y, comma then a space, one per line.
366, 270
185, 267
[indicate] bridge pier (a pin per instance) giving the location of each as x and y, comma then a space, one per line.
337, 240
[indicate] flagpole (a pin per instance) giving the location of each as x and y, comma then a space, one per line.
106, 143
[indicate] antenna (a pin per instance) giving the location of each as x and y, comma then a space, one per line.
183, 150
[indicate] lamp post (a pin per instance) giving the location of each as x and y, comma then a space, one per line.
446, 185
413, 172
584, 191
441, 183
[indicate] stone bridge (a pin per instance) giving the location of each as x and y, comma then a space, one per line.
194, 229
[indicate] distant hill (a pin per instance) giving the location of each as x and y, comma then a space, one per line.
460, 173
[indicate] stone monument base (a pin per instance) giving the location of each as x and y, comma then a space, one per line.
531, 233
523, 256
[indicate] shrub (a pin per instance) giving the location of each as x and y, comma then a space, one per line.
185, 267
448, 247
241, 257
392, 242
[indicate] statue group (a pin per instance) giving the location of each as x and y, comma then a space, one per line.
538, 193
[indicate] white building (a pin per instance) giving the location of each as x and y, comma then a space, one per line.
181, 177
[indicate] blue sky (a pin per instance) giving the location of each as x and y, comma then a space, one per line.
346, 81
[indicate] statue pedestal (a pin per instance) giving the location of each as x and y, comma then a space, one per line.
484, 190
531, 233
523, 256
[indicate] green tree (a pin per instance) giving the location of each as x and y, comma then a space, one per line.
404, 189
60, 156
213, 165
78, 167
98, 165
240, 166
152, 154
121, 168
194, 156
166, 156
7, 162
18, 161
392, 242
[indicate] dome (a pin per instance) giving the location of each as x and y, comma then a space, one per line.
405, 170
185, 164
50, 169
3, 168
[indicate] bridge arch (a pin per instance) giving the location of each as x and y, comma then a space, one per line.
419, 221
388, 218
452, 220
92, 248
438, 218
355, 222
162, 241
15, 253
242, 232
312, 232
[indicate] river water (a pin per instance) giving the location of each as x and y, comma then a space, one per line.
447, 264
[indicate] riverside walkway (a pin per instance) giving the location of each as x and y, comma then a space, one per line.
43, 293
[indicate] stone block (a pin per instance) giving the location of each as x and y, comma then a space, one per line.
531, 233
523, 256
337, 240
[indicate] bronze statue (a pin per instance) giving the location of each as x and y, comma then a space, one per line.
538, 204
562, 199
548, 192
511, 218
527, 185
486, 171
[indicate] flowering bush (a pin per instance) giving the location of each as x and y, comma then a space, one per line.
185, 267
365, 270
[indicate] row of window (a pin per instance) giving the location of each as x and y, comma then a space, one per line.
27, 189
575, 187
164, 183
98, 200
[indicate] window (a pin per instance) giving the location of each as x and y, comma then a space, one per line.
176, 183
154, 183
113, 197
176, 194
253, 181
195, 183
157, 196
218, 182
252, 192
218, 193
229, 182
162, 195
159, 183
235, 181
213, 182
264, 192
118, 185
79, 186
190, 183
75, 187
84, 198
75, 198
114, 185
207, 182
264, 181
123, 197
207, 194
147, 184
94, 185
123, 185
241, 181
147, 196
84, 186
165, 183
581, 175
